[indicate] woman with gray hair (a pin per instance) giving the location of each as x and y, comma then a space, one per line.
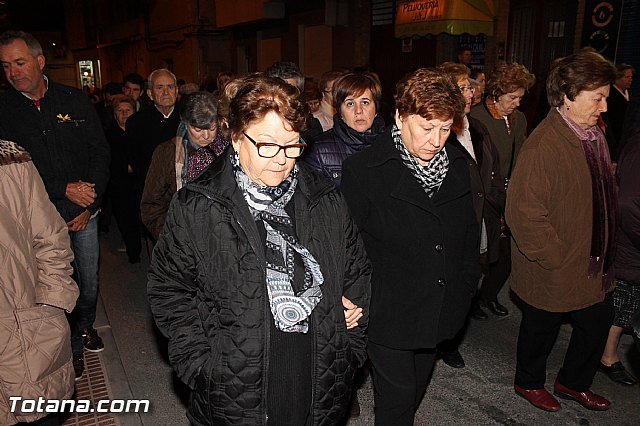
561, 208
182, 158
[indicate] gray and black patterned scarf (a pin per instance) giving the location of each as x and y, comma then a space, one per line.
430, 177
290, 310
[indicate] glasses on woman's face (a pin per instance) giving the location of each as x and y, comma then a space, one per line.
465, 89
270, 150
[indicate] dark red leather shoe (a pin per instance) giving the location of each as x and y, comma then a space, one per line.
587, 399
539, 398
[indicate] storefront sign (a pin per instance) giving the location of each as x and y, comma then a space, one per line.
419, 18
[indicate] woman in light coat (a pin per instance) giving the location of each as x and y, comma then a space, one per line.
35, 291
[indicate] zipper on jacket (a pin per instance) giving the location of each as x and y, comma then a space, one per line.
265, 356
314, 367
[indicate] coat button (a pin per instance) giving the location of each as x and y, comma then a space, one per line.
480, 194
439, 247
441, 282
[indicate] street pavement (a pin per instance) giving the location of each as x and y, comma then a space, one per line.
136, 363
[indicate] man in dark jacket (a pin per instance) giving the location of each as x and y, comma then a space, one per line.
59, 127
149, 127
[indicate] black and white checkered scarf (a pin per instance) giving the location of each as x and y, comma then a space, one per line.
290, 310
430, 177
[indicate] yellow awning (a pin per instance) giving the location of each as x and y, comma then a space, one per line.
419, 18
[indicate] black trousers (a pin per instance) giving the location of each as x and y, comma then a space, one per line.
497, 273
126, 209
400, 379
538, 332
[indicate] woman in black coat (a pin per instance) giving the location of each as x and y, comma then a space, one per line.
120, 189
411, 201
249, 272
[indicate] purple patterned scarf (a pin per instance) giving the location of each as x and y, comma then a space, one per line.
603, 190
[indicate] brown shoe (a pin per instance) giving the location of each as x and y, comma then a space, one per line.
587, 399
539, 398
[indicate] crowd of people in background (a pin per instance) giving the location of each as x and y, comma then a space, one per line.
368, 239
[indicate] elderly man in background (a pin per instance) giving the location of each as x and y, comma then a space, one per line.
617, 108
60, 129
153, 125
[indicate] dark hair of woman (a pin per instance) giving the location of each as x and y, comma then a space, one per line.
584, 70
430, 94
507, 78
260, 95
327, 77
355, 84
198, 109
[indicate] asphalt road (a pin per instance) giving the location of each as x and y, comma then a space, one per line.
480, 394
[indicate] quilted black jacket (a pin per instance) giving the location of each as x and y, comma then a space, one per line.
208, 295
331, 148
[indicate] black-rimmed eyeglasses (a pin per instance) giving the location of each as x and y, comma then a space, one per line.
270, 150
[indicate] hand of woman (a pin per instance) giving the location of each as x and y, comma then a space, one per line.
352, 313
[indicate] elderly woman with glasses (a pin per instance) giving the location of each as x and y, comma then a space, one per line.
507, 126
247, 277
487, 187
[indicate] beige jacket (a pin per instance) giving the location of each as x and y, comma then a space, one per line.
549, 212
35, 270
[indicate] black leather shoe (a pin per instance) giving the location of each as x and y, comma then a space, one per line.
618, 373
497, 308
454, 359
478, 313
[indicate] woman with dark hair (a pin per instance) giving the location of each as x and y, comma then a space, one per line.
356, 97
561, 209
507, 127
182, 158
409, 194
247, 277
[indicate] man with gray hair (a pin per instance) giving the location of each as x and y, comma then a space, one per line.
59, 127
149, 127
